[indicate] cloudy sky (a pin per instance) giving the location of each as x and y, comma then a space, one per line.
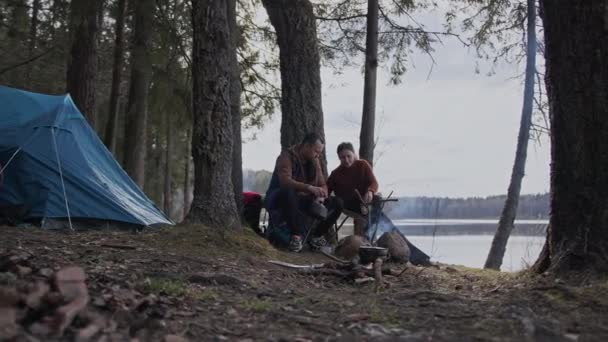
451, 133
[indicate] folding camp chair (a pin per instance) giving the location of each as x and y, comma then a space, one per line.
348, 214
377, 204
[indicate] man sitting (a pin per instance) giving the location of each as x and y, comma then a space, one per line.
296, 184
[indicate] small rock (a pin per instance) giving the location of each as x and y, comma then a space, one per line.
348, 247
20, 258
7, 278
99, 301
450, 269
571, 337
45, 272
23, 270
357, 317
349, 303
398, 249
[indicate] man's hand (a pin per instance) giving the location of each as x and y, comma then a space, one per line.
368, 197
317, 191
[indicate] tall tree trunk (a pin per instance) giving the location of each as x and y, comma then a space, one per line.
137, 107
577, 85
509, 211
33, 38
168, 178
17, 42
213, 203
119, 46
187, 188
302, 113
82, 62
235, 108
368, 118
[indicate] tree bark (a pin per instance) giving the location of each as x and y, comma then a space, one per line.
33, 38
577, 85
16, 43
187, 188
137, 107
212, 141
368, 118
296, 30
509, 211
235, 108
82, 62
119, 46
168, 186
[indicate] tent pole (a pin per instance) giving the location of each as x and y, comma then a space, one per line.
65, 197
9, 161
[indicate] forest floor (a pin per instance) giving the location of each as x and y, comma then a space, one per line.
190, 283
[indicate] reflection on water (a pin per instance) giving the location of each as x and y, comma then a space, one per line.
467, 242
472, 250
468, 227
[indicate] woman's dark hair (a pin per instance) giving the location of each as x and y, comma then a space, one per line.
346, 146
312, 138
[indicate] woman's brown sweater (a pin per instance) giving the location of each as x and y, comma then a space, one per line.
344, 180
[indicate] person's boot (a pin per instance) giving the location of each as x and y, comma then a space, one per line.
295, 244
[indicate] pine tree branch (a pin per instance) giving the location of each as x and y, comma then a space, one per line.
27, 61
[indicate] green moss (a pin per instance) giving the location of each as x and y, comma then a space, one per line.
199, 240
170, 287
204, 294
257, 305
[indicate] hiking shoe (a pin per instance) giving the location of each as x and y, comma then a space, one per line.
295, 244
316, 243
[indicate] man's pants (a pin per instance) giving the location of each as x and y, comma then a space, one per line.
294, 208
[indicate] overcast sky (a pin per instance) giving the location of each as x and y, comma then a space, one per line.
451, 134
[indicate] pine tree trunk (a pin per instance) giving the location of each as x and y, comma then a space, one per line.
302, 113
577, 86
187, 188
509, 211
82, 62
119, 46
137, 107
368, 118
33, 38
16, 42
168, 186
235, 108
212, 141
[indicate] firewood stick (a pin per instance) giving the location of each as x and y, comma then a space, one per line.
378, 273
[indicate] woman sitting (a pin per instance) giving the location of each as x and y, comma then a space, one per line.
352, 176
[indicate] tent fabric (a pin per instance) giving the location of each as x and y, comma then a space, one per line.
42, 132
380, 224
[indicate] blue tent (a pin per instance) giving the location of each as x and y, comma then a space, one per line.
55, 164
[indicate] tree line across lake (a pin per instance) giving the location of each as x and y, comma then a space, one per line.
535, 206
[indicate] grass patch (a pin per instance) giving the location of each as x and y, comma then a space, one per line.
170, 287
257, 305
385, 316
205, 294
203, 241
299, 301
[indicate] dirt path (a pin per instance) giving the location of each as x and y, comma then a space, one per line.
194, 284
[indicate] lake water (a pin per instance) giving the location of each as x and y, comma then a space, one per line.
467, 242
